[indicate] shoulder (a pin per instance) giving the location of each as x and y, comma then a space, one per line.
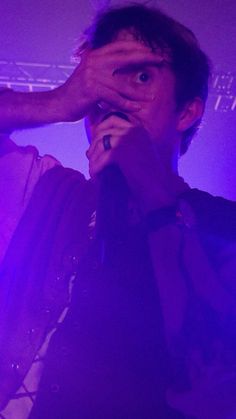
214, 214
25, 156
21, 168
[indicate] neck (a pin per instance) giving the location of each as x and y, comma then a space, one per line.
169, 158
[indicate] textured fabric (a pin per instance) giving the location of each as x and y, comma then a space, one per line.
20, 168
101, 358
23, 400
109, 358
37, 267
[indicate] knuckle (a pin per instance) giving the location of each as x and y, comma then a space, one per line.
113, 120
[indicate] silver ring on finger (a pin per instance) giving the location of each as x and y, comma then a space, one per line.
106, 142
103, 105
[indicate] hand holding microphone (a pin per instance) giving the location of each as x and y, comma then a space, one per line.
112, 208
123, 149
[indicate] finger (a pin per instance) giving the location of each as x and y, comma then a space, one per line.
125, 90
95, 150
113, 98
112, 56
113, 123
137, 58
97, 145
99, 138
133, 57
125, 47
96, 165
113, 126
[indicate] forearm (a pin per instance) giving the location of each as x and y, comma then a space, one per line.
20, 110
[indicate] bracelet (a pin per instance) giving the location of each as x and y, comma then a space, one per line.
161, 217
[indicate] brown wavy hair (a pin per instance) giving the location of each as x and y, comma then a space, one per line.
150, 25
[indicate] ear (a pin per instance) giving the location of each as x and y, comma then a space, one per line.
191, 113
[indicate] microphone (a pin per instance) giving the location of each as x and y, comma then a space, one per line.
112, 206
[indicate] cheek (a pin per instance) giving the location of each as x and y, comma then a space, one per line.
159, 120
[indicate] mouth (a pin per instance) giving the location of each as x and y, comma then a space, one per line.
119, 114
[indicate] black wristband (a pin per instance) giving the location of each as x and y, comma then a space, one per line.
161, 217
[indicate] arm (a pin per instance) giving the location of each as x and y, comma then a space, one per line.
25, 110
91, 82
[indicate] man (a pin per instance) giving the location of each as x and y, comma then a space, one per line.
133, 317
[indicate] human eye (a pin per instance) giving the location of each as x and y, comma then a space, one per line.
142, 77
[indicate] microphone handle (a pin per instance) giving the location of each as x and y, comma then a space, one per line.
112, 207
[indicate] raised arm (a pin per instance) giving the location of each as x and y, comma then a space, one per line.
26, 110
91, 82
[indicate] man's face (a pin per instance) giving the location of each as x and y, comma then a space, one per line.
158, 116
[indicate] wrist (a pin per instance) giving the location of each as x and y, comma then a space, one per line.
70, 105
58, 108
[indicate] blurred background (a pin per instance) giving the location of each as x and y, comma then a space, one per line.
37, 42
